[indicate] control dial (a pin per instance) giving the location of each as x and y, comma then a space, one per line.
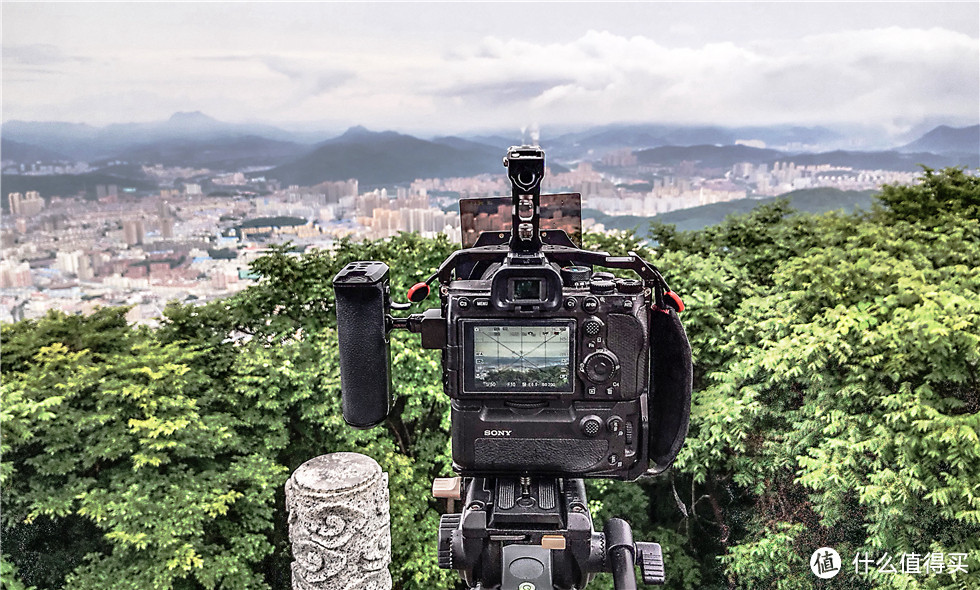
629, 286
601, 286
600, 366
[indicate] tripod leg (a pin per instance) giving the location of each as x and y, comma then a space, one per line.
620, 553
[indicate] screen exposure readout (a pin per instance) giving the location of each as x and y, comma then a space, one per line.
509, 358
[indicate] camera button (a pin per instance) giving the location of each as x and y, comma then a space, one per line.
591, 425
591, 304
481, 303
614, 424
464, 302
570, 303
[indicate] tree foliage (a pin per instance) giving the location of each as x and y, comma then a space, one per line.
836, 404
838, 401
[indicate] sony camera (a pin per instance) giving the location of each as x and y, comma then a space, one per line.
555, 365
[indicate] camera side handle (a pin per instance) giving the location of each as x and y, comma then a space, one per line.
362, 293
671, 383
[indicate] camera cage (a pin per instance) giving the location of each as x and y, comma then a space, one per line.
494, 533
671, 366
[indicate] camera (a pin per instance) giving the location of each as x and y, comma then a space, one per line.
557, 369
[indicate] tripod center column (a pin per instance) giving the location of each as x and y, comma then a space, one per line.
339, 523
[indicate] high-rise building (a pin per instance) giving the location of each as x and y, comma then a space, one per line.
27, 204
167, 228
78, 263
15, 274
133, 232
107, 193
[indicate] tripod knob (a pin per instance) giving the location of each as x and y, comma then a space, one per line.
448, 525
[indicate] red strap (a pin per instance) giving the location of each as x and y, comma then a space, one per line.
678, 304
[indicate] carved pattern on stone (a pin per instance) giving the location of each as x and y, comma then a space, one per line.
339, 524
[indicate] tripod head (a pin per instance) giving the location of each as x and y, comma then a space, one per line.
523, 533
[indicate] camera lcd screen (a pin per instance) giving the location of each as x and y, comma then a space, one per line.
520, 358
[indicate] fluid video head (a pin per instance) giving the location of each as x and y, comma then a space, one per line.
556, 368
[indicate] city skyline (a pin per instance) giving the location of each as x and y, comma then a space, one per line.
431, 68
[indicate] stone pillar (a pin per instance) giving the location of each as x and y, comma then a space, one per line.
339, 524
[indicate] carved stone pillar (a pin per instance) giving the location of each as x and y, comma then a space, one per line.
339, 524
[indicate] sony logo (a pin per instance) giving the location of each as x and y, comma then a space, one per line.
497, 432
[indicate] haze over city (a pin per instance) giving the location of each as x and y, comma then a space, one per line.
451, 68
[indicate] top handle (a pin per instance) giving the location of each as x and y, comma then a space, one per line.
525, 168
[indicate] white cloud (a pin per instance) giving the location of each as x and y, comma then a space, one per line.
894, 76
857, 76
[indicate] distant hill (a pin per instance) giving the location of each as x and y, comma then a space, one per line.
947, 140
818, 200
708, 156
25, 153
229, 153
724, 156
385, 158
596, 141
498, 141
891, 160
69, 184
87, 143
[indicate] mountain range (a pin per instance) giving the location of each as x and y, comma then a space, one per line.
947, 140
811, 200
384, 158
81, 142
388, 158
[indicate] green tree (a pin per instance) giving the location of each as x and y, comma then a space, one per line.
836, 403
840, 404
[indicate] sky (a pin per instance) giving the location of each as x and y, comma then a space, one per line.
471, 66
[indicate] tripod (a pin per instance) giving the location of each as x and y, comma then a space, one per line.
536, 533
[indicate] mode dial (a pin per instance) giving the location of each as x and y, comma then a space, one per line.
572, 276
